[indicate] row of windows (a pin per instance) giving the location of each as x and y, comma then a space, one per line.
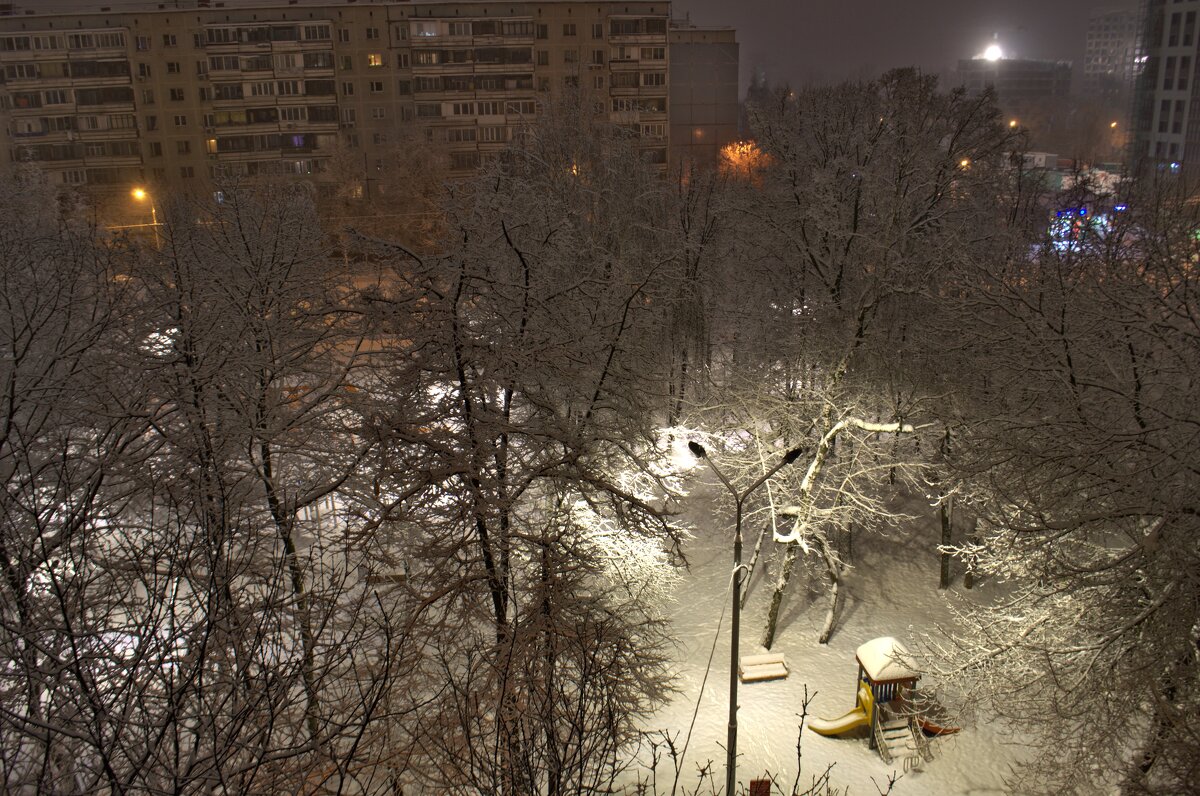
74, 41
437, 110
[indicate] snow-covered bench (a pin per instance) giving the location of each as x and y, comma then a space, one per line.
756, 668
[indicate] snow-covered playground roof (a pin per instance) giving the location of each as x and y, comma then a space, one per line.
883, 660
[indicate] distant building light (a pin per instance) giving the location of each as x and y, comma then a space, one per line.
1120, 208
1174, 167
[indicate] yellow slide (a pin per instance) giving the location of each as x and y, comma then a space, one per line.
859, 716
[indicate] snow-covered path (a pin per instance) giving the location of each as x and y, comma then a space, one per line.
892, 591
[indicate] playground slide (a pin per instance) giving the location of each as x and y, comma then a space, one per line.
857, 717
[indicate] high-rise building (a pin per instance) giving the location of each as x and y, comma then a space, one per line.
178, 95
1109, 62
1166, 128
703, 97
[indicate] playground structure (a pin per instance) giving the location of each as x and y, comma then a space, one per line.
888, 702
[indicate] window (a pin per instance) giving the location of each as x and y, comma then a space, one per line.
598, 57
1169, 73
375, 86
347, 63
654, 130
462, 109
458, 135
143, 71
1177, 121
654, 53
169, 40
571, 81
597, 30
347, 89
349, 117
568, 28
143, 43
378, 138
493, 135
543, 31
543, 84
598, 81
156, 149
197, 40
422, 30
292, 114
1164, 116
372, 33
151, 123
464, 160
176, 95
316, 32
205, 94
654, 78
147, 96
187, 172
264, 88
180, 120
429, 110
1185, 68
490, 108
543, 57
58, 96
520, 107
404, 88
378, 112
375, 59
344, 35
570, 56
202, 68
460, 28
183, 147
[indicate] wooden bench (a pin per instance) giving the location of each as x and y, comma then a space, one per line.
757, 668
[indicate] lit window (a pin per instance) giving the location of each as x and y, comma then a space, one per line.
374, 59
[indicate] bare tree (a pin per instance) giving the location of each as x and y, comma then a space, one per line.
1078, 427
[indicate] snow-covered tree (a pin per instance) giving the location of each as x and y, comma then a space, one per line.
532, 346
1077, 438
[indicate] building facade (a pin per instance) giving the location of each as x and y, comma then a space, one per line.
1110, 58
1166, 128
176, 97
703, 100
1021, 84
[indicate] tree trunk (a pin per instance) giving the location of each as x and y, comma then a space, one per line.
833, 570
946, 509
789, 560
753, 562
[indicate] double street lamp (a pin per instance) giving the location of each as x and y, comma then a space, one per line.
739, 501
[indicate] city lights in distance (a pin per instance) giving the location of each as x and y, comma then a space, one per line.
139, 194
993, 52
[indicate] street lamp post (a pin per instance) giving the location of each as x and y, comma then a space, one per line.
735, 626
142, 195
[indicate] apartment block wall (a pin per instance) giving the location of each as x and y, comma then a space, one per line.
704, 105
178, 98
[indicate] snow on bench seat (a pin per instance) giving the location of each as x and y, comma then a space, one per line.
756, 668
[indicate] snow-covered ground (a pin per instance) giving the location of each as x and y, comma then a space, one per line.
892, 591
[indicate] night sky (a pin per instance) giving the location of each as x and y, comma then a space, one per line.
805, 41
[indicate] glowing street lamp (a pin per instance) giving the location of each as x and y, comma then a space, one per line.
735, 626
1012, 123
141, 195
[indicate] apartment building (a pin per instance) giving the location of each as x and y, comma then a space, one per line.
180, 96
